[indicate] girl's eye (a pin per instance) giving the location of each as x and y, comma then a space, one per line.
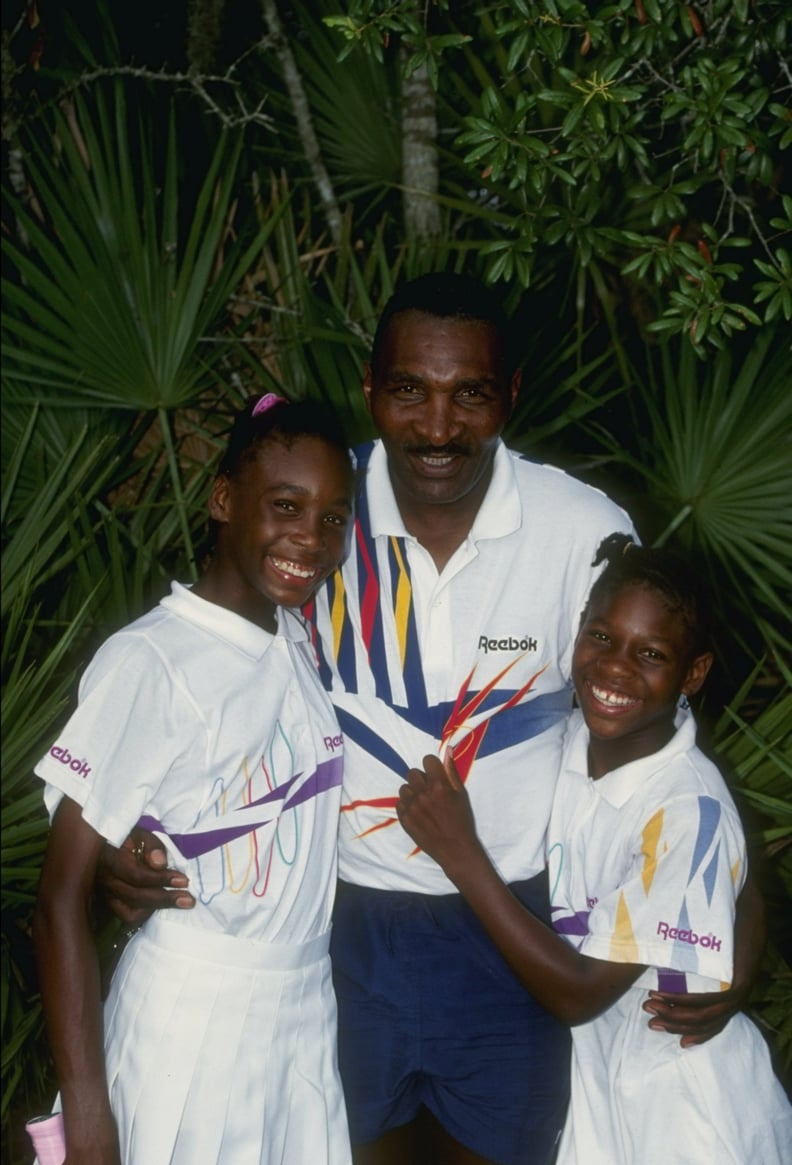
600, 636
336, 520
285, 505
650, 653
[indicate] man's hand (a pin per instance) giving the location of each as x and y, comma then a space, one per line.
434, 809
135, 879
697, 1018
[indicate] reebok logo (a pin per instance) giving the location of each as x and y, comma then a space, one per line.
689, 936
80, 767
331, 743
511, 644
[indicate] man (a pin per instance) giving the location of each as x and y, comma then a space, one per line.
451, 623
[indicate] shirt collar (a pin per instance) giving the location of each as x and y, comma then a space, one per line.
227, 625
619, 785
499, 514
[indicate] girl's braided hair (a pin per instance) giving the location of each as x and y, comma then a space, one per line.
629, 564
279, 420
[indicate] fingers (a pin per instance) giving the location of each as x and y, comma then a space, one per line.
136, 909
147, 848
433, 780
428, 782
689, 1038
133, 866
415, 783
136, 880
405, 800
696, 1018
126, 913
434, 771
440, 772
417, 780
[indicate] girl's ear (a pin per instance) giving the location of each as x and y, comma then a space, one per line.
697, 673
220, 499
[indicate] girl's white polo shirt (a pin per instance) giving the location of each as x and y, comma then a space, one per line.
221, 738
645, 866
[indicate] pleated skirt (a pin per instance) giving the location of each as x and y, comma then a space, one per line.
221, 1051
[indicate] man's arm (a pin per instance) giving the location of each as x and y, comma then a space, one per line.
135, 880
698, 1017
69, 977
435, 810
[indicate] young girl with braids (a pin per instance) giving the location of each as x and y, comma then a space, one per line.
646, 857
206, 721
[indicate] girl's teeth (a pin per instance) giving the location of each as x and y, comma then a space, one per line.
611, 698
293, 568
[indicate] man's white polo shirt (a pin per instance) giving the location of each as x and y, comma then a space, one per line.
477, 656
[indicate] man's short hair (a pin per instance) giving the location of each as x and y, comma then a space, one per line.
448, 296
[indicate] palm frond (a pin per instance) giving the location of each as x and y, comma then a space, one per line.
710, 444
110, 297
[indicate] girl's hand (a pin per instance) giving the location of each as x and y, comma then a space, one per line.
434, 809
694, 1017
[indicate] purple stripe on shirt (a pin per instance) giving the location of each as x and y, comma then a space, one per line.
670, 980
327, 776
576, 923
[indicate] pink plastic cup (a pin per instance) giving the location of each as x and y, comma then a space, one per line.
46, 1133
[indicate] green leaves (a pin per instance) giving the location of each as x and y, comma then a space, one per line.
634, 119
113, 283
372, 27
711, 447
756, 755
776, 290
595, 131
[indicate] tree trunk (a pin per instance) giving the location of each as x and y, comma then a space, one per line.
203, 34
302, 115
420, 175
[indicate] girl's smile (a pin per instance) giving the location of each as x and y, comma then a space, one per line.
611, 699
294, 570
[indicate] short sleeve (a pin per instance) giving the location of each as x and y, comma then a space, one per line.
675, 909
132, 724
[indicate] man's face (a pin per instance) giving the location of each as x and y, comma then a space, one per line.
439, 397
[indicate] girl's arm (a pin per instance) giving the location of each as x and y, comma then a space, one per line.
69, 978
435, 810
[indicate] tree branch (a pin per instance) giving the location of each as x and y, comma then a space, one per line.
302, 115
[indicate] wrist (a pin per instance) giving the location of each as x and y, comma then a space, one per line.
468, 865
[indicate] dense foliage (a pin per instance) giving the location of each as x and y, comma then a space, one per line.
167, 252
643, 140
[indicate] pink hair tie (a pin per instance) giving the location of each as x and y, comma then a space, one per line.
266, 402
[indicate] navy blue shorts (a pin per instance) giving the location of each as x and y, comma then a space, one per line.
430, 1014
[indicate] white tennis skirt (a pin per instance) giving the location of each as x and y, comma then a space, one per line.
222, 1051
